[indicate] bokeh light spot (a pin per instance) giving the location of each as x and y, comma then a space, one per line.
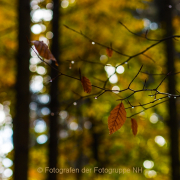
64, 4
160, 140
73, 126
113, 79
120, 69
7, 162
36, 29
115, 89
42, 139
154, 118
103, 59
63, 114
148, 164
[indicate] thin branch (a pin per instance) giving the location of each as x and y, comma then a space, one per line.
104, 89
95, 42
129, 57
169, 37
126, 97
130, 30
145, 104
135, 77
149, 58
163, 80
147, 109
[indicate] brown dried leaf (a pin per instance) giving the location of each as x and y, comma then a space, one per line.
44, 51
117, 118
134, 126
109, 52
86, 84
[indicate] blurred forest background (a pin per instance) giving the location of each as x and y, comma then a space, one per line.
56, 124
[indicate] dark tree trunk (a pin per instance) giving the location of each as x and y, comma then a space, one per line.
80, 160
79, 141
21, 120
95, 143
166, 18
54, 92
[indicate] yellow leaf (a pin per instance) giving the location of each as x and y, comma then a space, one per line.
134, 126
86, 84
44, 51
117, 118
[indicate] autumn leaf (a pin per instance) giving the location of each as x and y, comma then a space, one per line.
86, 84
134, 126
117, 118
44, 51
109, 52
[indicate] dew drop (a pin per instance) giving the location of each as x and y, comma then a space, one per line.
174, 97
132, 107
95, 97
50, 80
93, 42
72, 62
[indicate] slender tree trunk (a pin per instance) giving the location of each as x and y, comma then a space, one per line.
95, 143
21, 120
166, 8
54, 92
79, 141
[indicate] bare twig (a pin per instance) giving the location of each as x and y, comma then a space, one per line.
95, 42
129, 57
103, 89
169, 37
147, 108
163, 79
135, 77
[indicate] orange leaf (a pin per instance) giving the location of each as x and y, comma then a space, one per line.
117, 118
109, 52
44, 51
86, 84
134, 126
